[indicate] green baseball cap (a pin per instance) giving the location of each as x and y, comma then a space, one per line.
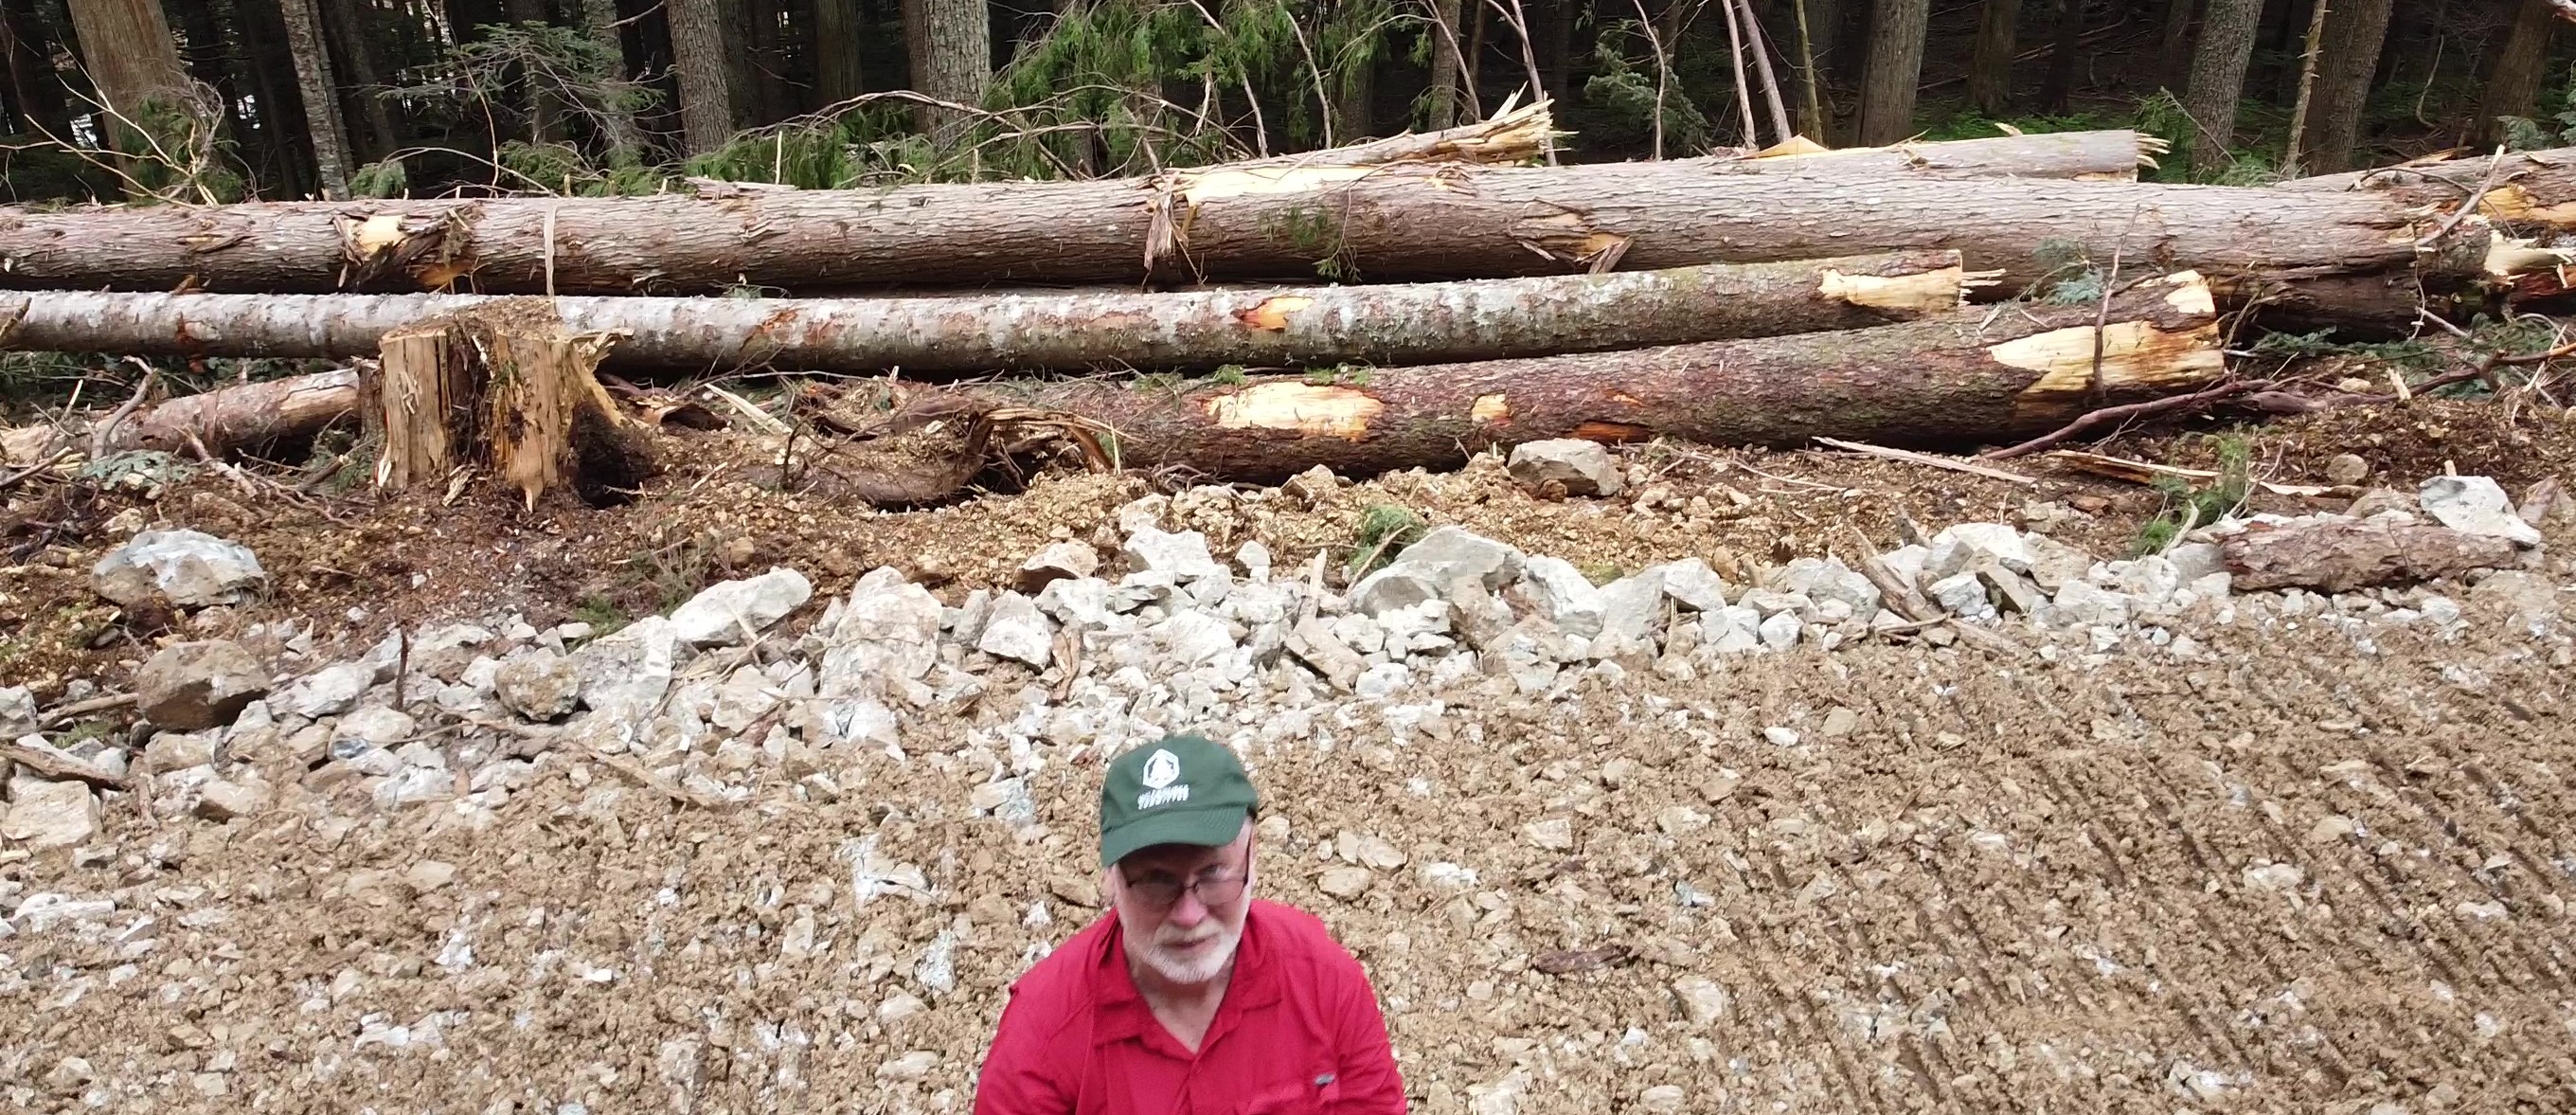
1179, 790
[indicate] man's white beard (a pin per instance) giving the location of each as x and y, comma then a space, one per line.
1190, 970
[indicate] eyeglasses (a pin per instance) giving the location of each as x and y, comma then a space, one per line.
1160, 891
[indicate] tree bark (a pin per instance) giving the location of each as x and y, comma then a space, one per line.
1444, 64
1387, 221
2173, 52
356, 27
1957, 380
2057, 85
2343, 557
837, 30
1294, 327
2307, 86
127, 49
2218, 79
505, 387
2513, 82
245, 416
1990, 68
710, 105
2355, 34
321, 101
1894, 73
952, 60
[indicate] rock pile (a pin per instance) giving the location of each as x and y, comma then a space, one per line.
716, 702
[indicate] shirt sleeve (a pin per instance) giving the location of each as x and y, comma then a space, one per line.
1018, 1077
1369, 1083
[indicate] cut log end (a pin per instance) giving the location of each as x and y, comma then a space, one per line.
503, 387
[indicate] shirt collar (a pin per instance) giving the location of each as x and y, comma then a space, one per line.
1121, 1013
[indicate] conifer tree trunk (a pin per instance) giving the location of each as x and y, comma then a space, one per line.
710, 111
2513, 82
321, 101
1893, 76
1444, 64
952, 59
35, 92
353, 25
2057, 89
2173, 53
1990, 69
2218, 78
837, 31
127, 49
625, 137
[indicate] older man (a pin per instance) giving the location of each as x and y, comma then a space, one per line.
1190, 996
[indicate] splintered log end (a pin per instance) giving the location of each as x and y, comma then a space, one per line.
1305, 409
432, 249
2136, 357
2512, 204
1923, 292
505, 387
2509, 256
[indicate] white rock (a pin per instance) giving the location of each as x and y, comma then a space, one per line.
1703, 1001
1059, 561
1255, 559
1780, 632
1079, 602
2153, 578
187, 568
1734, 629
1015, 629
1193, 638
1957, 548
1830, 579
1346, 883
540, 685
44, 815
1555, 834
1664, 1099
2054, 563
375, 725
1184, 554
220, 800
2475, 505
1384, 679
626, 673
1581, 467
2195, 560
911, 1066
1632, 607
1962, 595
329, 692
2082, 604
1396, 586
718, 615
1692, 584
1563, 594
17, 712
1448, 552
171, 751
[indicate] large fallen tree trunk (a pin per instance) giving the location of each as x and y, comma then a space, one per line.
1964, 379
1399, 324
1380, 222
2530, 193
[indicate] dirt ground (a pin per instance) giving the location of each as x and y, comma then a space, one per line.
2288, 875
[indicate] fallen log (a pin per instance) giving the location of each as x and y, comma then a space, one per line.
506, 388
1413, 220
1965, 378
1294, 327
2341, 557
2529, 193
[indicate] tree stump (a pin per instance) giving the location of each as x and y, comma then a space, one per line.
502, 387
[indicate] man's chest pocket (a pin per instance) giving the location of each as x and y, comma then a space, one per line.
1312, 1095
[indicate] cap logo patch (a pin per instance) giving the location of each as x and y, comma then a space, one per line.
1162, 768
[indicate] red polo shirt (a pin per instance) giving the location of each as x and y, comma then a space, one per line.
1298, 1032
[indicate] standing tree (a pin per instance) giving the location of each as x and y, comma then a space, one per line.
131, 58
2057, 88
1990, 68
2173, 52
2355, 32
1893, 75
2513, 83
2218, 79
616, 118
951, 44
710, 108
1443, 94
320, 95
353, 27
836, 51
